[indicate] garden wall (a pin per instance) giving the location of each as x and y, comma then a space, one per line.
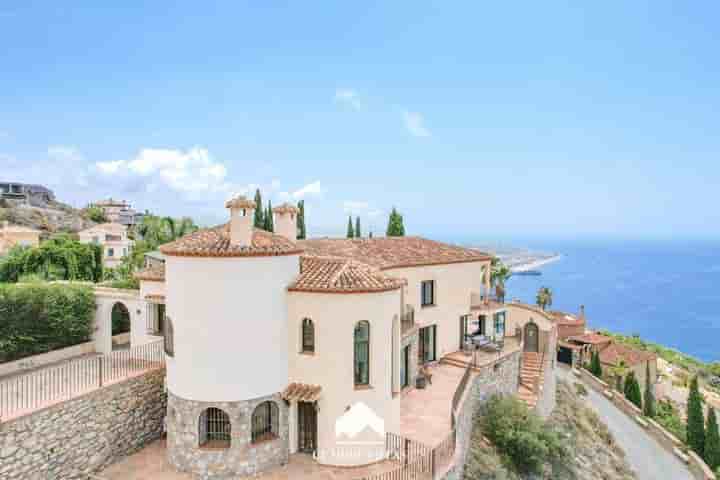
82, 436
18, 366
695, 464
499, 378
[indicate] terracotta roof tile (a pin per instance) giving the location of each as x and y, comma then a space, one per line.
393, 252
215, 242
286, 208
591, 338
240, 202
302, 392
341, 275
613, 353
154, 274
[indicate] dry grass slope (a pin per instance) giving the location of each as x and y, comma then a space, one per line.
595, 454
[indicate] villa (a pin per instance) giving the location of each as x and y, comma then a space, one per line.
12, 235
113, 239
277, 347
119, 211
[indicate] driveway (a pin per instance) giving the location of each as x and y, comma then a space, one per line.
645, 455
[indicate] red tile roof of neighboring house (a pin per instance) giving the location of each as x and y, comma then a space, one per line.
154, 273
341, 275
562, 318
591, 338
615, 352
215, 242
393, 252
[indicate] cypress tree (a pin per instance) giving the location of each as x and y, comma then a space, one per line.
302, 233
269, 223
370, 236
595, 367
259, 218
395, 228
712, 441
649, 400
632, 389
350, 231
695, 420
357, 228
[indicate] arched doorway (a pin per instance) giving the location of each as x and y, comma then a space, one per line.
532, 337
120, 323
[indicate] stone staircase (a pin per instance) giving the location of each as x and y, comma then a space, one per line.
530, 375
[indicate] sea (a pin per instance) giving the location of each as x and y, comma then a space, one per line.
665, 291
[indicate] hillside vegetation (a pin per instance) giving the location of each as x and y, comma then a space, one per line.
589, 451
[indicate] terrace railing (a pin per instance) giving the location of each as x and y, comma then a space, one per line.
32, 391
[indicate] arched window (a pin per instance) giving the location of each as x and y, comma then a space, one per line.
308, 336
362, 353
169, 341
265, 422
120, 319
214, 429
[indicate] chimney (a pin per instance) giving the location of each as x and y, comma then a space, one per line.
581, 314
286, 221
241, 221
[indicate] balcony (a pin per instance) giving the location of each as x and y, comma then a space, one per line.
407, 320
483, 302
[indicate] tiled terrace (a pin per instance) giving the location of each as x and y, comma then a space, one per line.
425, 413
151, 463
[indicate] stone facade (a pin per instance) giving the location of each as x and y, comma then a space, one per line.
74, 439
412, 340
242, 457
500, 378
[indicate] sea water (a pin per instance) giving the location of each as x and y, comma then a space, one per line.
666, 291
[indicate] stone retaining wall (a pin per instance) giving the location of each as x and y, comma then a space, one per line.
499, 378
669, 442
74, 439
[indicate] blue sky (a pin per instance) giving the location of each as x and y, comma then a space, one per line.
485, 120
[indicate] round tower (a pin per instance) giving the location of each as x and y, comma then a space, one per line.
226, 348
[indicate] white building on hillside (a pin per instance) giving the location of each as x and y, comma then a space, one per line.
114, 240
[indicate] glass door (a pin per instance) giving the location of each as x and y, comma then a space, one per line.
426, 348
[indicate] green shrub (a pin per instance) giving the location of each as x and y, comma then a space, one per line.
668, 417
60, 258
38, 318
524, 440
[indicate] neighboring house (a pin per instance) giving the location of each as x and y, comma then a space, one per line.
12, 235
616, 359
114, 240
569, 325
36, 195
119, 211
154, 259
276, 346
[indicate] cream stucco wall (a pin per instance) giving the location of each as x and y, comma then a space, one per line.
453, 286
331, 366
229, 318
105, 300
520, 314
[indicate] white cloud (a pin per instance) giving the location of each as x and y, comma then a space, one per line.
348, 96
355, 207
414, 122
310, 189
190, 171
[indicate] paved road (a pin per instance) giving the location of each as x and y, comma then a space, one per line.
645, 455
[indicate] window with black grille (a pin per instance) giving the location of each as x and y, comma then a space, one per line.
265, 422
308, 336
169, 340
214, 429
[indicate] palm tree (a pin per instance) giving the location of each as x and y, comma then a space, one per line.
618, 372
178, 228
499, 274
544, 297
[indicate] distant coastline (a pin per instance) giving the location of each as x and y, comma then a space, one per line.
522, 260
